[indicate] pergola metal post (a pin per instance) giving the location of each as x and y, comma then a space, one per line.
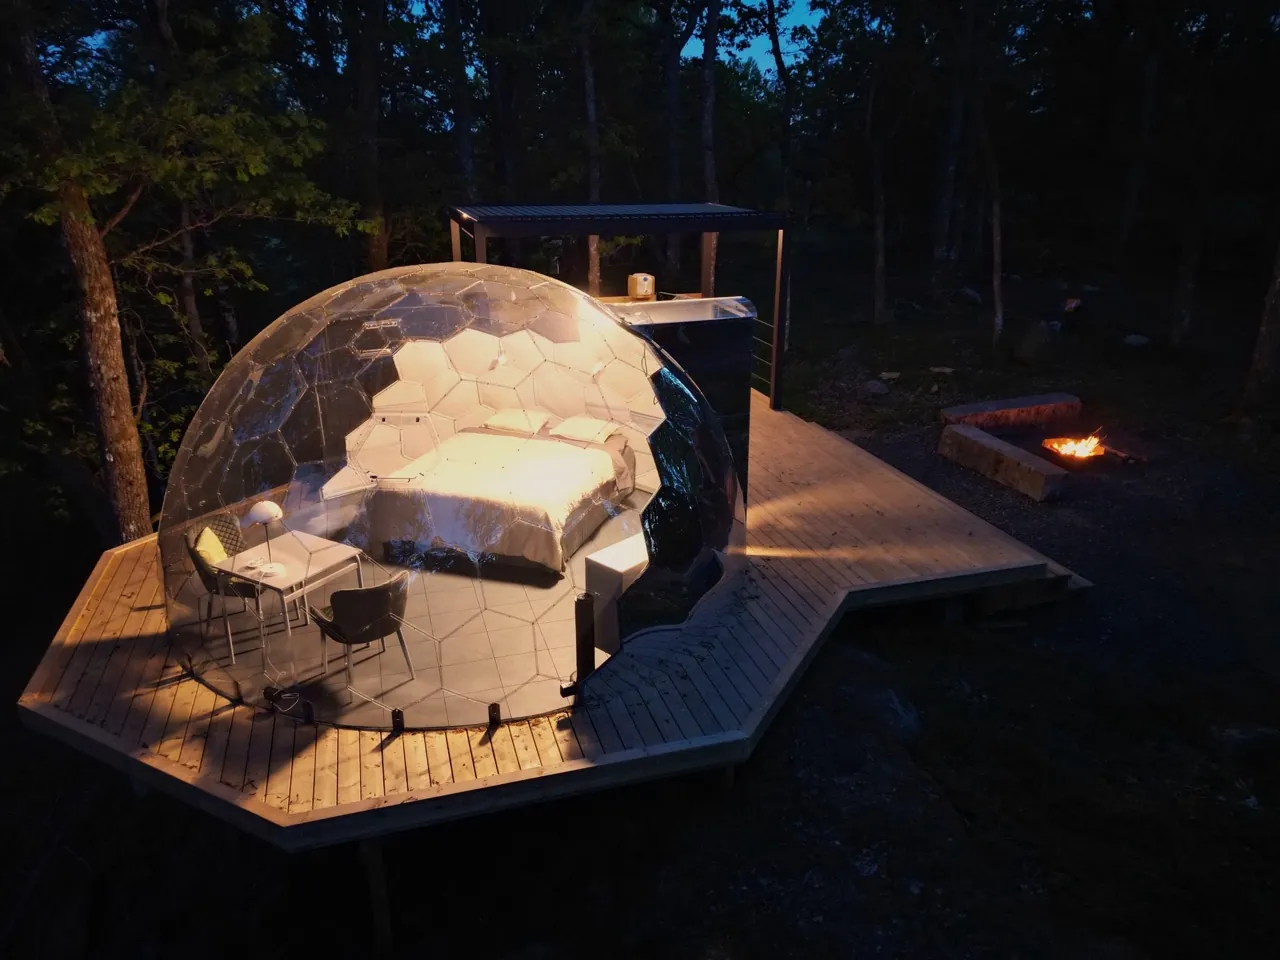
611, 220
781, 319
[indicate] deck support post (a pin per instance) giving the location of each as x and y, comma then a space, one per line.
730, 777
376, 872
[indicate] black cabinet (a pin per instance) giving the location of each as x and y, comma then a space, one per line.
711, 340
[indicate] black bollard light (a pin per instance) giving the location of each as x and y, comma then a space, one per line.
584, 616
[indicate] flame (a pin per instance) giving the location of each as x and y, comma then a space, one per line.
1090, 446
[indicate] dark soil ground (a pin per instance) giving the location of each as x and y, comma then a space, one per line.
1096, 779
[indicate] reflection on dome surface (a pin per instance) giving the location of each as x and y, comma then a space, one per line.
453, 452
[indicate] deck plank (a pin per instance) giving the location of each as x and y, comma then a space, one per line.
326, 771
129, 651
544, 739
115, 643
504, 749
486, 765
372, 783
641, 698
565, 736
99, 633
258, 767
95, 592
522, 738
195, 738
235, 765
302, 779
460, 755
415, 761
585, 733
395, 769
174, 734
280, 766
149, 711
348, 766
602, 725
659, 694
218, 740
438, 765
622, 721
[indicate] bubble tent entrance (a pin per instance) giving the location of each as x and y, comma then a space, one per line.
459, 448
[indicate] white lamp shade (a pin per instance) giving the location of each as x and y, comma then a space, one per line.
264, 511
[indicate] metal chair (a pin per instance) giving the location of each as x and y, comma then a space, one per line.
218, 584
361, 615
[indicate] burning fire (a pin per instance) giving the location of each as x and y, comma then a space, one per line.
1090, 446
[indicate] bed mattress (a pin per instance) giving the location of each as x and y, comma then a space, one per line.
491, 493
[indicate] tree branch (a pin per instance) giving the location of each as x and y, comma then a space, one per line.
173, 235
122, 212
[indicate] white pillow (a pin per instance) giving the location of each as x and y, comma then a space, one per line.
586, 429
518, 421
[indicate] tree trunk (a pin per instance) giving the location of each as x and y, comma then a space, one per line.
126, 477
1260, 384
881, 305
230, 322
494, 24
1184, 292
950, 157
368, 109
784, 80
187, 290
593, 141
67, 471
710, 183
186, 281
455, 50
317, 28
997, 241
1137, 161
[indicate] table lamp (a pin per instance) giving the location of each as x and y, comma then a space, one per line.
263, 512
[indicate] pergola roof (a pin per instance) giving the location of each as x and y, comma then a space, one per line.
606, 219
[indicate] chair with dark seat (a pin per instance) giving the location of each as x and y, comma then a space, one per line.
218, 584
361, 615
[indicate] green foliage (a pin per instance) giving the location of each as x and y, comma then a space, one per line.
226, 165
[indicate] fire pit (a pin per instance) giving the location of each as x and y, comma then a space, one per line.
1079, 452
1075, 452
1021, 443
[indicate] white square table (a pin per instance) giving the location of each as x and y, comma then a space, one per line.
609, 571
296, 564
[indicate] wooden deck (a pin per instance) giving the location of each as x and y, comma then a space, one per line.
830, 527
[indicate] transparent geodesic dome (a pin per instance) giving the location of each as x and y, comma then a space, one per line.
444, 455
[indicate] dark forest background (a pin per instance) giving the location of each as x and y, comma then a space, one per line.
174, 175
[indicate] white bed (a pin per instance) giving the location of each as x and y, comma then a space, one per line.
490, 492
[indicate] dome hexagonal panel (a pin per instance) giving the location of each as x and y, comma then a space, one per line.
391, 497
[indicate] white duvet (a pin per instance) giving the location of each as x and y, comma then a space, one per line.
491, 493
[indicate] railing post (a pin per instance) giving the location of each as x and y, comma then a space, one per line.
781, 319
